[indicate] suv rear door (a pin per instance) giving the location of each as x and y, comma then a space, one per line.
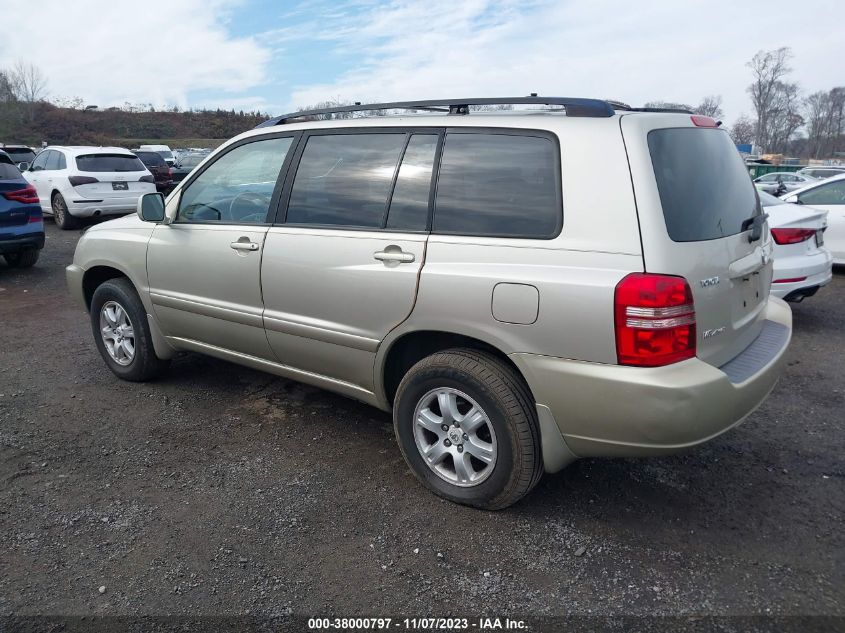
340, 268
696, 207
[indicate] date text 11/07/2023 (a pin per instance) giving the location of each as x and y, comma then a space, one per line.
417, 624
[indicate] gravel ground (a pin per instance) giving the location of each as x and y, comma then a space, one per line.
222, 490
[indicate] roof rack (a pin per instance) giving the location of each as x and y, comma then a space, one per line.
618, 105
574, 107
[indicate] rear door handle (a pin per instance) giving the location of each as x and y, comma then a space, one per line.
244, 246
394, 256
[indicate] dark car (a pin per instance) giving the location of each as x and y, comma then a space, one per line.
159, 168
19, 153
185, 165
21, 218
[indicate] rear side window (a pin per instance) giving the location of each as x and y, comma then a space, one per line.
56, 160
345, 179
498, 185
109, 162
704, 188
409, 203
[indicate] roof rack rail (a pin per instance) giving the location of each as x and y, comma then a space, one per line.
574, 107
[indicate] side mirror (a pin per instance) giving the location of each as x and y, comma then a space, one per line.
151, 207
23, 165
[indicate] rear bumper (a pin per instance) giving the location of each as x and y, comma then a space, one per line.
19, 243
611, 410
81, 208
816, 268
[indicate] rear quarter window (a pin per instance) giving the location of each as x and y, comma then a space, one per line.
502, 185
704, 187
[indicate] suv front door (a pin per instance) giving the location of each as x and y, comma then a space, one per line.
341, 269
204, 267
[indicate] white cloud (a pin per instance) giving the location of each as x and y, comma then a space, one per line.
109, 52
635, 52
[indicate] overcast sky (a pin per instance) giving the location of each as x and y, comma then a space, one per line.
276, 55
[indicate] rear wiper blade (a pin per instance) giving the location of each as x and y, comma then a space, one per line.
756, 225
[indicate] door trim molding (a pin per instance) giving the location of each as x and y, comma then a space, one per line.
225, 312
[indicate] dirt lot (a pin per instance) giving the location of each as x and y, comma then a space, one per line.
221, 490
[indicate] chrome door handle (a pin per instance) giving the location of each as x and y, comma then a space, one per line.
244, 246
394, 256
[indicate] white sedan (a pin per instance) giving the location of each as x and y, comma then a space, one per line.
801, 265
780, 182
829, 195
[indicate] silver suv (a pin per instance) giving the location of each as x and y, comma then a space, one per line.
470, 271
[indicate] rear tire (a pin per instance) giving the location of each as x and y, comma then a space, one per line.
122, 333
479, 382
62, 217
24, 259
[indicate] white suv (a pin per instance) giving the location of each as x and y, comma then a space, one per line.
472, 272
82, 182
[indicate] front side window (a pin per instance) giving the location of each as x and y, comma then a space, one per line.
831, 193
498, 185
345, 179
40, 161
53, 161
236, 188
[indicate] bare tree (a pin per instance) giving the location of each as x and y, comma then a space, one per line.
774, 99
667, 105
711, 106
742, 131
30, 83
8, 92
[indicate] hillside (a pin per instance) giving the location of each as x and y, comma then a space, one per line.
44, 122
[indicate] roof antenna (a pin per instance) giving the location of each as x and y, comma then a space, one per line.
533, 94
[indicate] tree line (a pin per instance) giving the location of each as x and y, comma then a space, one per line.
784, 121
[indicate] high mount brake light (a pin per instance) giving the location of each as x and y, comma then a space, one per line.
654, 317
699, 120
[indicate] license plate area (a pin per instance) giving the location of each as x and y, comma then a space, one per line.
120, 186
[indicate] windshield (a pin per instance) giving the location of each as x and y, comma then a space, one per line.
704, 187
109, 162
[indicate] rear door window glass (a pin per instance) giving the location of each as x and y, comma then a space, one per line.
109, 163
52, 160
345, 179
498, 185
704, 187
409, 203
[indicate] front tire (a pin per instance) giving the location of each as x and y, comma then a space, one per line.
467, 426
25, 259
122, 333
62, 217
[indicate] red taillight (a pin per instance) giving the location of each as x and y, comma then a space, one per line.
655, 320
27, 195
169, 173
792, 236
699, 120
790, 280
75, 181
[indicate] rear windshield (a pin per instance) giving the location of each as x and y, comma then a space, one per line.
152, 159
109, 162
8, 171
704, 187
19, 154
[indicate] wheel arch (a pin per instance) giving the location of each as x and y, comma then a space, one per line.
408, 348
97, 275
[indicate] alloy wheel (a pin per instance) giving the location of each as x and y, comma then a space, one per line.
117, 332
